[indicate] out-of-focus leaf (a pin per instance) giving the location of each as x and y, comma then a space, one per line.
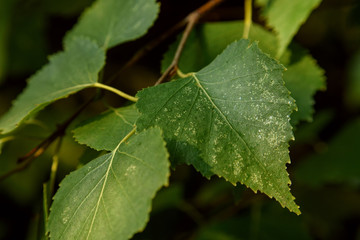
111, 22
286, 17
88, 155
261, 3
271, 223
304, 78
105, 131
339, 163
230, 119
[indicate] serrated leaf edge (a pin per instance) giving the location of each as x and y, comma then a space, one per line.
166, 184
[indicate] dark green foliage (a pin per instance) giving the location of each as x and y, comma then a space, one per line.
200, 155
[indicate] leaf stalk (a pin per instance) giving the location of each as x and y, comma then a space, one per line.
183, 75
116, 91
248, 18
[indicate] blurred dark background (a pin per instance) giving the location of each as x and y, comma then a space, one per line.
325, 168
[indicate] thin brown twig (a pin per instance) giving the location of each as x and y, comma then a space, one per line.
189, 21
157, 41
26, 160
54, 167
171, 70
147, 48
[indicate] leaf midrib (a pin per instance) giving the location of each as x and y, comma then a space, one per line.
198, 83
102, 189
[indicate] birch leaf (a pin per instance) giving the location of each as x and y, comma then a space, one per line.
230, 119
286, 17
67, 72
110, 197
104, 131
111, 22
303, 77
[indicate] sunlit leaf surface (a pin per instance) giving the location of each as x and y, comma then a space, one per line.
230, 119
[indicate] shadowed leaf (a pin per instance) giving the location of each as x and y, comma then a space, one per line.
104, 131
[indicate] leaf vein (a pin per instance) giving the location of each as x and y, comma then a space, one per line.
169, 98
102, 189
140, 160
125, 193
78, 207
260, 164
236, 78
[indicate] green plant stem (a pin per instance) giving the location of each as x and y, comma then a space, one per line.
116, 91
248, 18
146, 49
46, 205
26, 160
54, 167
48, 187
202, 10
183, 75
126, 138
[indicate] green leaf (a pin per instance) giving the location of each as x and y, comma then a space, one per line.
67, 72
286, 17
111, 22
104, 131
303, 76
110, 197
261, 3
230, 119
338, 163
